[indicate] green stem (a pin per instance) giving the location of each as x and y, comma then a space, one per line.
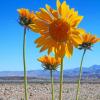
80, 75
24, 62
52, 84
61, 79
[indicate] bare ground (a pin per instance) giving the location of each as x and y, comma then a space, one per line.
42, 91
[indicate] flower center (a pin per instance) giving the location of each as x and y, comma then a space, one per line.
85, 45
58, 30
25, 21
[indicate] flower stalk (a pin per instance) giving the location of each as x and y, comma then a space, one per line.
51, 64
80, 75
61, 79
52, 84
24, 62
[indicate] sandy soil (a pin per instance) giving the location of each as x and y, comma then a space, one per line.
42, 91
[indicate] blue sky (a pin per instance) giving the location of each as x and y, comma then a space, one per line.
11, 34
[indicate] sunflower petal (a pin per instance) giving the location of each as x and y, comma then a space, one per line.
64, 10
58, 4
44, 47
53, 13
76, 21
43, 16
69, 49
76, 40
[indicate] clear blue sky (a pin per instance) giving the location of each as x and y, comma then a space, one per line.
11, 34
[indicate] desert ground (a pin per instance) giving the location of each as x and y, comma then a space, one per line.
42, 91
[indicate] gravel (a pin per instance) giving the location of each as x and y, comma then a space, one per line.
42, 91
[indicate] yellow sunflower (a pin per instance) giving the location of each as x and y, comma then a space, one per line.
88, 40
26, 17
58, 29
49, 63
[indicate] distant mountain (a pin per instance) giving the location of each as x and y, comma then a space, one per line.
91, 72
